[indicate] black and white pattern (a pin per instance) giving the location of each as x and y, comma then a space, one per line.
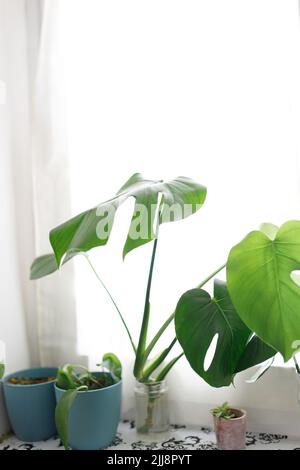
179, 437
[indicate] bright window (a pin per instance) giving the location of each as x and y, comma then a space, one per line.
207, 89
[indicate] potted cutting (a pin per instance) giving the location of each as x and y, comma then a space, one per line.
230, 427
156, 202
88, 404
30, 403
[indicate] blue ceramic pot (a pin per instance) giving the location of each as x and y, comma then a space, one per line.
94, 417
31, 408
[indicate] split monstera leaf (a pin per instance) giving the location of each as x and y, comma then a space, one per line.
199, 318
180, 198
262, 296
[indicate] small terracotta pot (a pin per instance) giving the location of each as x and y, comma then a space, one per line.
231, 433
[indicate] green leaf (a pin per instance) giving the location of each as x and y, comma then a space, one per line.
46, 264
42, 266
2, 369
263, 289
261, 370
198, 318
111, 362
62, 413
269, 229
256, 352
181, 198
66, 377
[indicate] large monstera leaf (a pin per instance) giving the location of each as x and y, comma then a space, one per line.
263, 286
198, 318
177, 199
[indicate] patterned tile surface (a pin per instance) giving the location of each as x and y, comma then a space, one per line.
179, 438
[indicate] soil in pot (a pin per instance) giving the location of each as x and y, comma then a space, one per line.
30, 380
94, 382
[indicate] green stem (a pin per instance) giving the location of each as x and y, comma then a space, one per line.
211, 276
296, 365
171, 317
161, 376
158, 335
140, 360
153, 365
114, 303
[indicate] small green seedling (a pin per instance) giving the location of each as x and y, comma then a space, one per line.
223, 411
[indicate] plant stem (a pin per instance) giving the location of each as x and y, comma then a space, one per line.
161, 376
296, 365
158, 335
114, 303
153, 365
140, 359
211, 276
171, 317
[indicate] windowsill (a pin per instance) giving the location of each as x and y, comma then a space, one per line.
180, 437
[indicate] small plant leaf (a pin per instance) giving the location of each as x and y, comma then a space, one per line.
68, 376
223, 411
2, 369
42, 266
111, 362
62, 412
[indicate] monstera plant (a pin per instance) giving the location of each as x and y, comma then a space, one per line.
198, 317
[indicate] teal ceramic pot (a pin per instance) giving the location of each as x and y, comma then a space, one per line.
94, 417
31, 408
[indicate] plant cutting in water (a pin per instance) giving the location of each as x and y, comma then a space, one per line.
76, 378
158, 202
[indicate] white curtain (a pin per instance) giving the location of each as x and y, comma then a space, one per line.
16, 234
57, 333
37, 320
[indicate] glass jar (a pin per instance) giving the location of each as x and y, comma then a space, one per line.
151, 407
